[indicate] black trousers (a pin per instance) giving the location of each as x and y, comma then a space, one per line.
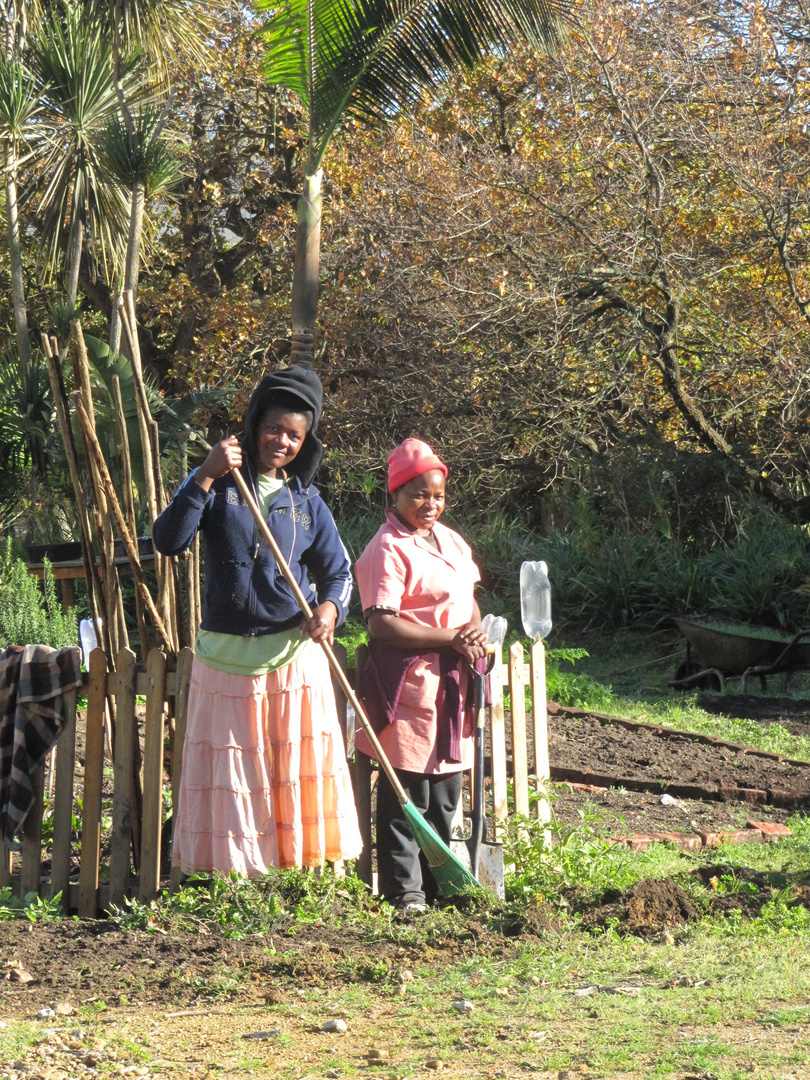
403, 874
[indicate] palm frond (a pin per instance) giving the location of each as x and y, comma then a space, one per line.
370, 59
165, 29
26, 406
74, 59
140, 156
19, 98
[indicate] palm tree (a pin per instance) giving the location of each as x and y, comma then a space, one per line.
136, 154
369, 59
74, 58
162, 30
19, 104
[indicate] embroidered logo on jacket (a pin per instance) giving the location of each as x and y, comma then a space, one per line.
304, 520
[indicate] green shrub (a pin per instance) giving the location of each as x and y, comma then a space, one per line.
352, 634
571, 688
549, 858
30, 613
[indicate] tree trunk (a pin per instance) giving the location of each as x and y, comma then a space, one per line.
15, 255
306, 272
115, 320
134, 242
132, 263
75, 262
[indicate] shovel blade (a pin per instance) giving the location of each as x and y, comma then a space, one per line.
490, 863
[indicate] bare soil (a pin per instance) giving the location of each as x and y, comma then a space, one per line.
643, 754
85, 960
595, 744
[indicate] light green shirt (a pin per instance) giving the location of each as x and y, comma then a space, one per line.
252, 655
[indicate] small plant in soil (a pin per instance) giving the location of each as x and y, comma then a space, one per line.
578, 856
32, 907
238, 907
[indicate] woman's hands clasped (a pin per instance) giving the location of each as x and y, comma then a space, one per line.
470, 641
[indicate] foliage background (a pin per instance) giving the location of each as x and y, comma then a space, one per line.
581, 277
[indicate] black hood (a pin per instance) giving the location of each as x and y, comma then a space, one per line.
297, 382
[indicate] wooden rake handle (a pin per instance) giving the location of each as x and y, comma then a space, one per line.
337, 670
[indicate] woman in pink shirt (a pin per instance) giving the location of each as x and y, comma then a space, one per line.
416, 580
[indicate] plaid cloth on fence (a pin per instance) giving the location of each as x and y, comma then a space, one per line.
33, 681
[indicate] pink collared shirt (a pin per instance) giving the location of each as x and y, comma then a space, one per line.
433, 587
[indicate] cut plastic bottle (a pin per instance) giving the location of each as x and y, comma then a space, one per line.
535, 600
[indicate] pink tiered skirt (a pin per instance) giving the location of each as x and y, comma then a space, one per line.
265, 781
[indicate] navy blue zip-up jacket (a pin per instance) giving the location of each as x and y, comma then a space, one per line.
245, 592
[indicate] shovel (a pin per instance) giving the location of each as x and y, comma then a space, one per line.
484, 857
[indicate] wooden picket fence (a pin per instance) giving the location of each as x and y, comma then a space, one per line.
44, 868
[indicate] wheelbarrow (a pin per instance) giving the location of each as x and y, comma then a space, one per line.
718, 648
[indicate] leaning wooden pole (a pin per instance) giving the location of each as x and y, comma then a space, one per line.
95, 594
81, 377
130, 505
129, 542
144, 413
151, 465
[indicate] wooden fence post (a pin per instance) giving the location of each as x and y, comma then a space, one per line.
93, 776
126, 731
32, 837
540, 717
5, 865
185, 659
63, 805
362, 790
520, 763
497, 743
153, 775
339, 649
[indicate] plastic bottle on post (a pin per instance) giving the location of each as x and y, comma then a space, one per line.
87, 636
535, 599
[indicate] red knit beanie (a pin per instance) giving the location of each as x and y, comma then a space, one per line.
410, 459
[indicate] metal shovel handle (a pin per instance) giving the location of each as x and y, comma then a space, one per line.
477, 817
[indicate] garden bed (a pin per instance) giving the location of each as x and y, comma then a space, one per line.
607, 751
618, 771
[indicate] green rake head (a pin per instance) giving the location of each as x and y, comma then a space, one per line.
451, 875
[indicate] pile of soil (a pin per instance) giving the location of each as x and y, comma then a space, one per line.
658, 906
649, 908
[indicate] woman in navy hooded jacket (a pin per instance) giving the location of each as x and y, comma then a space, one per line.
265, 781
